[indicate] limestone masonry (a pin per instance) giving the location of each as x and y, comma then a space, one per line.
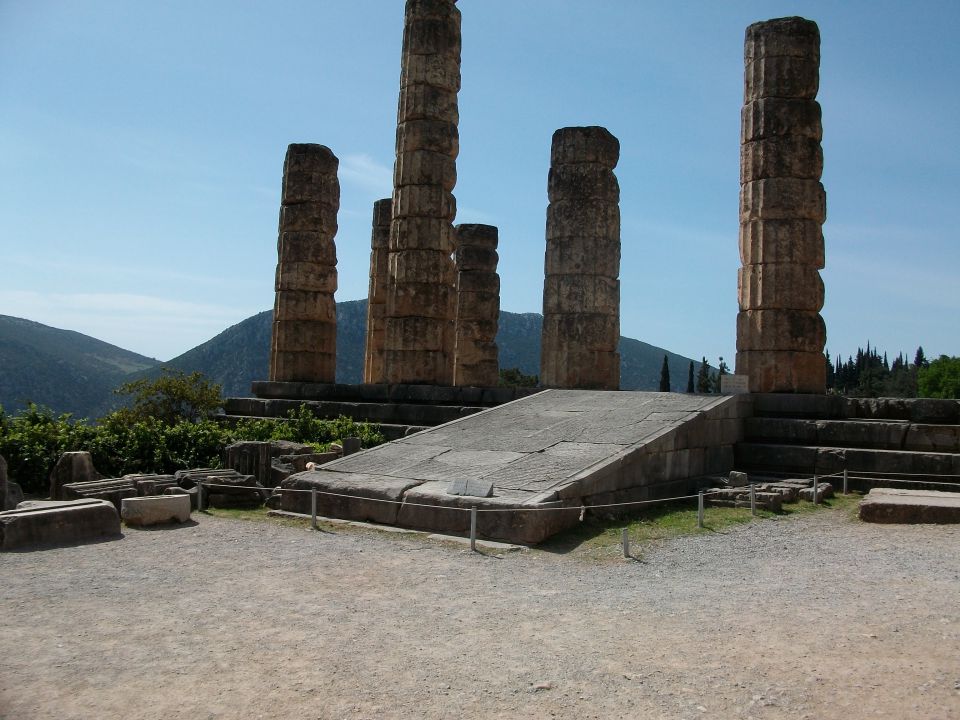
377, 293
581, 290
419, 341
780, 333
478, 307
304, 341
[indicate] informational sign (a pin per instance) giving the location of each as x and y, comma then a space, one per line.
473, 487
734, 384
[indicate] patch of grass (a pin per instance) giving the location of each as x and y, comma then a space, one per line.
601, 540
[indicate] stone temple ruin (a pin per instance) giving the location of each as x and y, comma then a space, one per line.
534, 461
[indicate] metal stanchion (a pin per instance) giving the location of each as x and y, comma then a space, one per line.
816, 485
700, 509
199, 497
473, 529
625, 541
753, 499
313, 508
845, 481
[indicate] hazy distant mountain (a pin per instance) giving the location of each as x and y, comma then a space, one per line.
61, 369
70, 372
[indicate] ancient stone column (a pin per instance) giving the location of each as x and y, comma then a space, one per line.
377, 294
581, 291
304, 342
780, 333
421, 301
476, 362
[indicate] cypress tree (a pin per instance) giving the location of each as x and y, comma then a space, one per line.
665, 376
690, 378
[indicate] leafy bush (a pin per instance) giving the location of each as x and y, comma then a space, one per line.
940, 378
121, 444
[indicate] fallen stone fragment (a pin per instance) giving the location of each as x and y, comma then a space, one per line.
155, 510
888, 505
58, 523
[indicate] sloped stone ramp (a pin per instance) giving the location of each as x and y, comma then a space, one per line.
547, 456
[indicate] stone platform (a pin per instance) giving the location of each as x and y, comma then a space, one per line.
888, 505
545, 456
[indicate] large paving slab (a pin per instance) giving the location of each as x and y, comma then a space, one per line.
557, 449
888, 505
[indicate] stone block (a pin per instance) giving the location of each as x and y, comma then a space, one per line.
305, 305
738, 479
309, 174
774, 117
824, 491
783, 371
306, 276
478, 235
58, 523
420, 102
433, 35
307, 247
586, 220
423, 201
426, 234
768, 456
788, 36
190, 493
439, 71
319, 217
780, 286
886, 505
435, 136
155, 510
424, 167
415, 333
364, 495
577, 256
796, 330
14, 495
303, 366
584, 145
71, 467
781, 76
580, 369
305, 336
470, 258
793, 156
586, 180
478, 282
3, 484
474, 308
598, 332
566, 294
420, 299
798, 242
783, 199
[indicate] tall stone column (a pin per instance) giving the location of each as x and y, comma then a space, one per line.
304, 343
780, 333
377, 293
421, 302
478, 307
581, 291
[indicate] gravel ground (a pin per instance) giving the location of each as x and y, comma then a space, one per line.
817, 616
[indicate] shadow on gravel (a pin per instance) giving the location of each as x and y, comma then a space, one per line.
163, 528
60, 546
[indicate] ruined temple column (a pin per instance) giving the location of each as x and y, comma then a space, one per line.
476, 361
780, 333
581, 291
377, 293
421, 302
304, 343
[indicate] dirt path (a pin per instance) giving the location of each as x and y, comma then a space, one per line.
811, 617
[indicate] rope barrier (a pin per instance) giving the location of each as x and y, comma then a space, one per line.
908, 482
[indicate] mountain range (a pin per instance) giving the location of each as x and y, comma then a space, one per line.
70, 372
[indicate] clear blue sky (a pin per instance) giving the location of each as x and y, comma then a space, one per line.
142, 143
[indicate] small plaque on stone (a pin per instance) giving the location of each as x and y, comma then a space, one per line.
472, 487
734, 384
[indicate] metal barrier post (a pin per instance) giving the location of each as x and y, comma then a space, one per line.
473, 529
313, 508
816, 485
753, 499
700, 509
625, 541
844, 481
199, 497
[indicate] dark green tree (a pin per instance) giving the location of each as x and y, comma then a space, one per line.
690, 387
512, 377
920, 360
940, 378
170, 398
704, 381
665, 376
